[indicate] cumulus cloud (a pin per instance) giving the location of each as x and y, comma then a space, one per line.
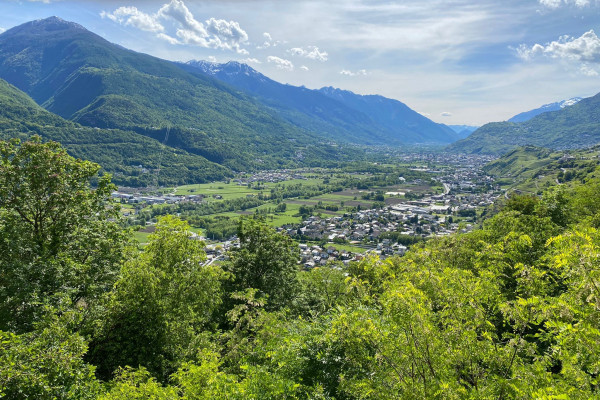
585, 48
212, 59
251, 61
212, 33
311, 52
350, 73
134, 17
268, 42
554, 4
304, 68
446, 114
281, 63
168, 38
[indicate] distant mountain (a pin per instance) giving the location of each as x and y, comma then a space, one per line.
576, 126
303, 107
527, 115
397, 117
131, 158
82, 77
463, 130
336, 114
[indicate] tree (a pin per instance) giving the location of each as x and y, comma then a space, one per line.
47, 363
57, 233
163, 301
266, 260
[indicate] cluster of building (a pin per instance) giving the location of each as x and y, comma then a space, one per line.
167, 199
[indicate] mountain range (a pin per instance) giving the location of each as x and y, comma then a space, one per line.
208, 120
228, 115
575, 126
338, 114
82, 77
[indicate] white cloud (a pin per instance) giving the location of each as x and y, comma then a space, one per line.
360, 72
585, 69
178, 11
227, 34
554, 4
213, 33
446, 114
311, 52
168, 38
251, 61
268, 42
551, 3
304, 68
281, 63
212, 59
133, 17
585, 48
2, 30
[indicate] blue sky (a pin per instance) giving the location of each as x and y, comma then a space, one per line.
455, 61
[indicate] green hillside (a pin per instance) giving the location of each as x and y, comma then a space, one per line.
80, 76
573, 127
119, 152
520, 162
532, 169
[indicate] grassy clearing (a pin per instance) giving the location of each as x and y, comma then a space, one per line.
227, 190
141, 237
347, 247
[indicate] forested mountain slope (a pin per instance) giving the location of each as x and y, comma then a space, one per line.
80, 76
576, 126
132, 159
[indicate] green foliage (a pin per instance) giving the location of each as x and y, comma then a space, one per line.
46, 363
160, 305
57, 234
138, 384
507, 311
266, 260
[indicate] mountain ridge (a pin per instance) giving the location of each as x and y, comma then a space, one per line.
572, 127
556, 106
342, 117
80, 76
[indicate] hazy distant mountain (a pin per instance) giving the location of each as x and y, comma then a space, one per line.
340, 115
80, 76
463, 130
395, 116
576, 126
303, 107
559, 105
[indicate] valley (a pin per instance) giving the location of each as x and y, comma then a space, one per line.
373, 208
178, 230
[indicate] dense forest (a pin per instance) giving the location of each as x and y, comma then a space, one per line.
511, 310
